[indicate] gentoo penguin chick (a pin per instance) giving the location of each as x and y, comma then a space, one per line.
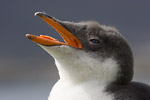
94, 63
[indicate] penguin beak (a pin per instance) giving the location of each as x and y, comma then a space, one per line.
68, 37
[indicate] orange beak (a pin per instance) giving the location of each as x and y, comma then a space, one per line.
68, 37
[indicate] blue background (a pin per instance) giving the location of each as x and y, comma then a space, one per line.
27, 72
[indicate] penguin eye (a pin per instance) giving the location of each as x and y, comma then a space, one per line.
95, 41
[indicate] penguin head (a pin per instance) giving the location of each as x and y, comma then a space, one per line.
91, 52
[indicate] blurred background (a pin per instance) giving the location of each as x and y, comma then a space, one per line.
27, 72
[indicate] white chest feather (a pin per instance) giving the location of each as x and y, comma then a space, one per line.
78, 81
82, 75
84, 91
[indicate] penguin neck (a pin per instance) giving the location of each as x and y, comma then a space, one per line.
77, 66
77, 72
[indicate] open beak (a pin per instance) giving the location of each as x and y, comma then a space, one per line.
68, 37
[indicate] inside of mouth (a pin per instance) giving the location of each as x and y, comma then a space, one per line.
53, 35
54, 39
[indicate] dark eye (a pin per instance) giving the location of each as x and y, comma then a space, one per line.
95, 41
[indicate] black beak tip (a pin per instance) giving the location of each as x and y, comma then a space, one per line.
40, 14
29, 36
43, 14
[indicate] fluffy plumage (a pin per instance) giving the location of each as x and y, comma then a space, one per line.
101, 70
